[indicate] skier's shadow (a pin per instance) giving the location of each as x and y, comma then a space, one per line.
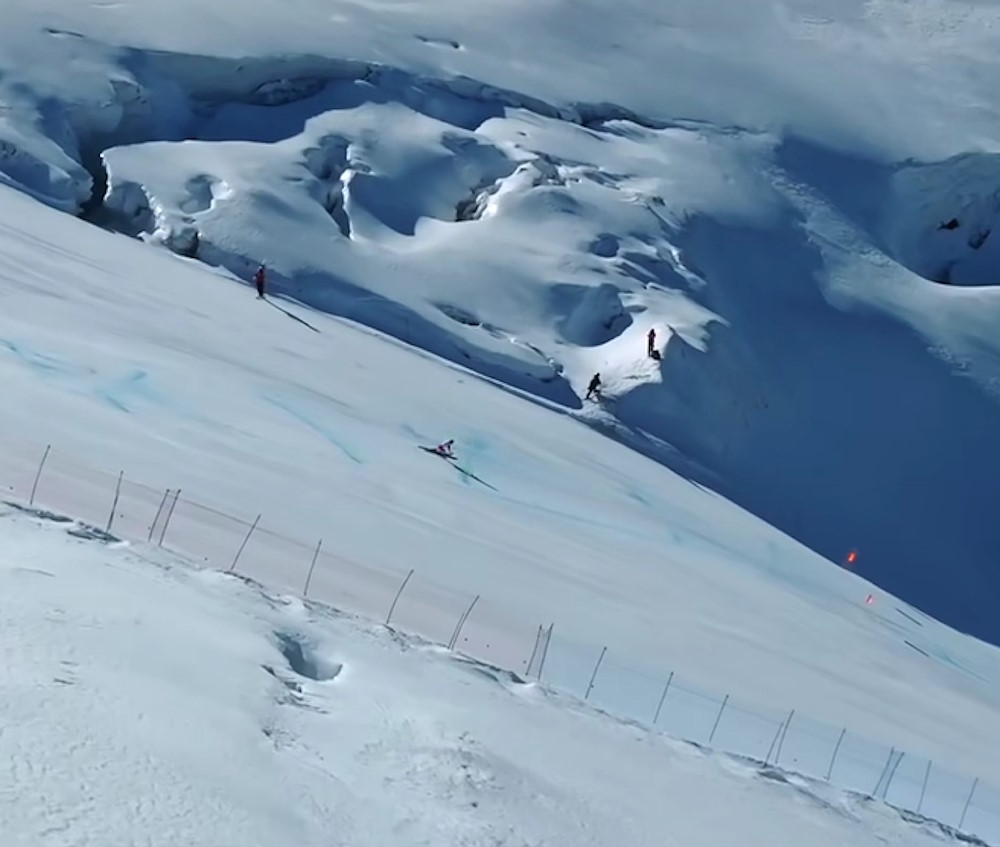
292, 316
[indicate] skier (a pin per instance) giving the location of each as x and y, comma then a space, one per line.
446, 449
651, 344
258, 279
594, 387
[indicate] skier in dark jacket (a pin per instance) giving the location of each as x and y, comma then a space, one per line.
651, 344
594, 387
258, 279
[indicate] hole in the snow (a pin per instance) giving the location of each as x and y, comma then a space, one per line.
304, 660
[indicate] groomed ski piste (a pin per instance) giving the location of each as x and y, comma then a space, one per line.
464, 216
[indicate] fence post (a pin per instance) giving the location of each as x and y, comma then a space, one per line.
784, 733
170, 514
399, 594
719, 718
892, 773
885, 770
770, 750
38, 475
312, 567
836, 750
968, 802
777, 735
114, 505
593, 676
923, 788
663, 697
545, 651
461, 623
534, 651
156, 518
239, 552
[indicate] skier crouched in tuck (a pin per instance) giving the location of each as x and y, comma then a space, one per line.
446, 449
594, 389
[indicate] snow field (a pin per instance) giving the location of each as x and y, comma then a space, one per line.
480, 630
539, 252
697, 586
464, 217
716, 174
264, 721
284, 423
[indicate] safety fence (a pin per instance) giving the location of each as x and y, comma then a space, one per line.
118, 506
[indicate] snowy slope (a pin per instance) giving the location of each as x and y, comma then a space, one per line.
468, 215
262, 721
782, 191
151, 364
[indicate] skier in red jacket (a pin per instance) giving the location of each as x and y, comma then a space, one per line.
258, 279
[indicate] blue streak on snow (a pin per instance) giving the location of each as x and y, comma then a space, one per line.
319, 429
133, 385
413, 433
36, 361
477, 447
945, 658
638, 496
114, 402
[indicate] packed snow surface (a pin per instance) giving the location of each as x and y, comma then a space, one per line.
783, 192
263, 721
179, 376
799, 197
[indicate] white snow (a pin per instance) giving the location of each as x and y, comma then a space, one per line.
262, 721
527, 192
182, 379
464, 215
